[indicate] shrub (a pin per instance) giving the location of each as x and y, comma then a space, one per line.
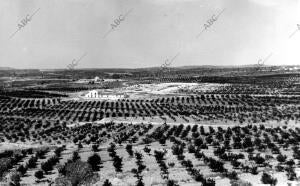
111, 148
279, 168
75, 156
48, 165
95, 147
30, 151
180, 157
107, 183
239, 183
259, 160
22, 169
147, 140
187, 163
253, 170
281, 158
39, 174
15, 178
198, 142
41, 153
171, 164
232, 175
80, 146
138, 157
32, 162
140, 182
235, 163
5, 164
118, 163
290, 163
94, 161
134, 171
268, 179
291, 175
77, 173
147, 149
216, 165
198, 177
208, 182
129, 149
162, 140
58, 151
62, 169
191, 149
172, 183
159, 155
177, 149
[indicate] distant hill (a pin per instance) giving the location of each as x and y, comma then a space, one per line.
185, 67
6, 68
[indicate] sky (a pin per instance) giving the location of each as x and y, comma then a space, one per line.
146, 33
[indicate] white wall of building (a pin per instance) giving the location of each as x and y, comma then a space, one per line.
95, 94
92, 94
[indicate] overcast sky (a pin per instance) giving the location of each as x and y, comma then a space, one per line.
154, 30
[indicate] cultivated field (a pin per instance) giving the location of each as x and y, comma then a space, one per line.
173, 131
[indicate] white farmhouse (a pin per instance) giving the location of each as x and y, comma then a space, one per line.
92, 94
95, 95
96, 79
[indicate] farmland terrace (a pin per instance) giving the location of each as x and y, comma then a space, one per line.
172, 131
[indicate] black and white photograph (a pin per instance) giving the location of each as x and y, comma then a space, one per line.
149, 92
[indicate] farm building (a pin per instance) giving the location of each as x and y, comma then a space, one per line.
92, 94
95, 94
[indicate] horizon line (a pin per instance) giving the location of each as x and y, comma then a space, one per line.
183, 66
